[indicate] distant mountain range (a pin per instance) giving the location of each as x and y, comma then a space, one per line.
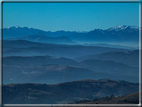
130, 58
27, 48
116, 34
35, 61
117, 45
49, 74
48, 69
110, 67
45, 39
36, 35
67, 92
16, 31
125, 34
26, 61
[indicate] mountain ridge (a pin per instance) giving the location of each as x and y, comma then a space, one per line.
60, 69
116, 27
65, 92
44, 39
125, 33
132, 98
28, 48
130, 58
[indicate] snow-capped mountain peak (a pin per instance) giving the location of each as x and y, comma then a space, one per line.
123, 27
13, 27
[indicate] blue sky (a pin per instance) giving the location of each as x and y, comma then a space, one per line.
70, 16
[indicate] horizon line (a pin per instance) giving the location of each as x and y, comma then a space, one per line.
69, 30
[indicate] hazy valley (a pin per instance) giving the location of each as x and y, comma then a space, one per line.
68, 66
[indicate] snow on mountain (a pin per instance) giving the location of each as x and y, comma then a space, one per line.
123, 27
18, 28
118, 33
117, 28
12, 27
